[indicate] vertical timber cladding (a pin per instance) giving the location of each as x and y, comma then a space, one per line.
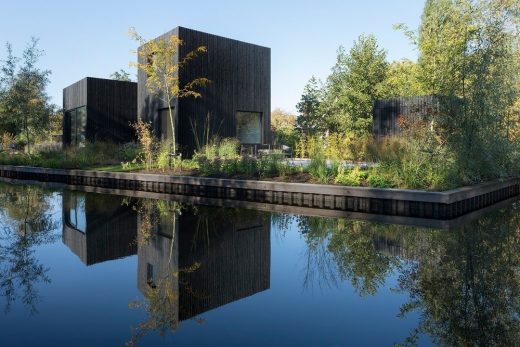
240, 75
111, 107
386, 113
74, 96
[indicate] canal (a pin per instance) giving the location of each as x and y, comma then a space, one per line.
85, 269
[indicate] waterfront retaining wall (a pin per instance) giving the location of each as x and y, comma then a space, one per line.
394, 202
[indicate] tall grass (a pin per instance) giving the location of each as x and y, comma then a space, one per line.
91, 155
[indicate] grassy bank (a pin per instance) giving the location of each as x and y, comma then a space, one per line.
394, 163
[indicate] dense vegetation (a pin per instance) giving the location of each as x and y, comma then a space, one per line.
26, 114
468, 54
469, 58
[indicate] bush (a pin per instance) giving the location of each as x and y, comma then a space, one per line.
228, 148
378, 181
162, 158
353, 177
247, 166
270, 165
320, 169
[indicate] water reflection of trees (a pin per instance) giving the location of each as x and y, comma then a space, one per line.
467, 287
464, 284
25, 223
339, 250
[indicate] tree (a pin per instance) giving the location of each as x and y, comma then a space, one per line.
310, 120
25, 106
355, 82
121, 75
156, 59
8, 124
402, 79
467, 53
283, 127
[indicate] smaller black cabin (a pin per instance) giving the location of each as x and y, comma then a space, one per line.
97, 109
388, 113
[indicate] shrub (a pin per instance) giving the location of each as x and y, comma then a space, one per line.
248, 166
270, 165
162, 158
378, 181
7, 140
228, 148
320, 169
147, 142
229, 166
353, 177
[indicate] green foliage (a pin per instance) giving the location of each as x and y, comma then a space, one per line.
271, 165
121, 75
356, 81
378, 181
221, 157
162, 71
25, 109
353, 177
467, 53
92, 155
228, 148
283, 128
311, 119
402, 80
163, 158
322, 170
147, 142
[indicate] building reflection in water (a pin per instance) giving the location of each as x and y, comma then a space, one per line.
98, 227
216, 256
203, 258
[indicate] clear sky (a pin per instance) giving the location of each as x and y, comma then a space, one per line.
88, 38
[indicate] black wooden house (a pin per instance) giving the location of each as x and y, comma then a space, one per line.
238, 99
390, 114
97, 109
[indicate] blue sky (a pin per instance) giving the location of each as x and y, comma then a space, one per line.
88, 38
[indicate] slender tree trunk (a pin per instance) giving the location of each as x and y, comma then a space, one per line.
27, 135
173, 128
169, 102
173, 238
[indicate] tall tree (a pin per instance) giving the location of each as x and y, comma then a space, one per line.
162, 70
467, 53
25, 104
355, 82
283, 127
402, 80
310, 120
8, 123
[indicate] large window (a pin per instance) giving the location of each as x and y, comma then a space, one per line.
77, 119
249, 127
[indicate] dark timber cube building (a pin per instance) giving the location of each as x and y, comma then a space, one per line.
387, 112
238, 98
97, 109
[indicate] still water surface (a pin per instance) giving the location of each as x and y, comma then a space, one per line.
84, 269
